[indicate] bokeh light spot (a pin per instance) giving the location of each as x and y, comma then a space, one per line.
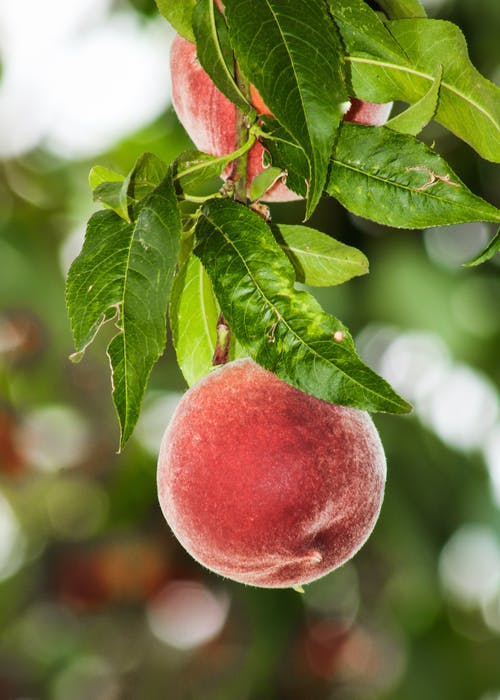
186, 614
469, 566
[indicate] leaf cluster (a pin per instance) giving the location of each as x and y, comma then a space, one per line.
171, 242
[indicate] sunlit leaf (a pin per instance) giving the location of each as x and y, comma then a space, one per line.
282, 328
418, 115
179, 14
469, 104
396, 180
318, 259
402, 9
193, 319
362, 26
124, 273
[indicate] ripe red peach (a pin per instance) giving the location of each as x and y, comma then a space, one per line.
368, 113
267, 485
210, 118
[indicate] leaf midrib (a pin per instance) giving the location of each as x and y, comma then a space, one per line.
426, 76
422, 193
287, 325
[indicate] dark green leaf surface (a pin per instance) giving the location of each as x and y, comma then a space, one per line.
361, 26
292, 53
469, 104
283, 329
318, 260
286, 154
124, 273
396, 180
179, 14
147, 173
214, 51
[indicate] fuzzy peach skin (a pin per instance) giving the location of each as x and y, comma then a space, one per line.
209, 117
267, 485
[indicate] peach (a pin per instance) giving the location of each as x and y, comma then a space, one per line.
267, 485
209, 117
368, 113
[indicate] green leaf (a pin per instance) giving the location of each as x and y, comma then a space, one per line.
402, 9
124, 273
214, 51
113, 195
107, 188
416, 117
194, 169
287, 155
487, 253
283, 329
362, 26
469, 104
193, 319
147, 173
263, 181
178, 13
99, 175
292, 53
118, 191
318, 260
396, 180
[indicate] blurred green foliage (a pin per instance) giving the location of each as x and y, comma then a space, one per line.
96, 597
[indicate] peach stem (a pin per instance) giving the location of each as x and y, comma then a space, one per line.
242, 136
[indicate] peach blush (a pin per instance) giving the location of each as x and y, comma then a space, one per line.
209, 118
267, 485
368, 113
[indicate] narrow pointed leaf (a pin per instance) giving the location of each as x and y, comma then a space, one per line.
491, 249
193, 319
214, 51
418, 115
396, 180
179, 14
283, 329
469, 104
124, 272
362, 26
287, 155
318, 259
292, 53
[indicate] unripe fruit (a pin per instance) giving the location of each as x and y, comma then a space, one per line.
265, 484
209, 117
